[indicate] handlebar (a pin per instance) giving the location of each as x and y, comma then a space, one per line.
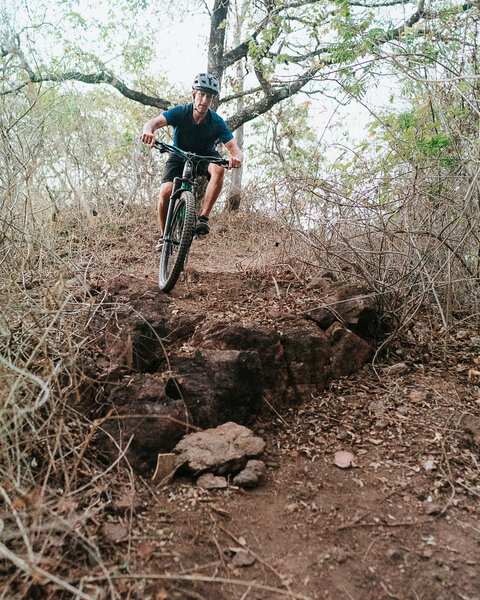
189, 156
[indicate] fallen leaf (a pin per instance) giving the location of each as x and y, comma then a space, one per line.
114, 532
145, 549
18, 504
417, 397
128, 500
221, 511
395, 369
343, 459
473, 376
66, 506
161, 594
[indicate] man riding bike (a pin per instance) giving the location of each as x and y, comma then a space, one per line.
197, 128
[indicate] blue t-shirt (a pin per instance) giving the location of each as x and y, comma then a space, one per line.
201, 138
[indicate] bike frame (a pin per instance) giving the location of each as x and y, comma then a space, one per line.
180, 184
186, 181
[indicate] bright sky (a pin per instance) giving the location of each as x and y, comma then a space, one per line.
181, 52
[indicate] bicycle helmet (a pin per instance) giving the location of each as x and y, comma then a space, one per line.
206, 83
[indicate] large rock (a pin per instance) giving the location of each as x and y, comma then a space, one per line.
349, 352
252, 475
170, 367
145, 421
218, 385
308, 356
142, 324
265, 342
351, 304
224, 449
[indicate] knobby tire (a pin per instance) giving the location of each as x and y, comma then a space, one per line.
174, 253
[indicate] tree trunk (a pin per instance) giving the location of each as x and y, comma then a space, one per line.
216, 42
234, 194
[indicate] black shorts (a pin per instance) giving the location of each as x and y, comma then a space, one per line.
174, 167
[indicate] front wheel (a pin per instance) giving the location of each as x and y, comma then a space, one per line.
177, 242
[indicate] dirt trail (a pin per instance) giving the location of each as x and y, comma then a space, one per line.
401, 522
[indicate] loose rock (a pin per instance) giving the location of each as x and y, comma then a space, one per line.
224, 449
243, 558
252, 476
208, 481
343, 459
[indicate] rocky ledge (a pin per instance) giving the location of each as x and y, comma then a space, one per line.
163, 370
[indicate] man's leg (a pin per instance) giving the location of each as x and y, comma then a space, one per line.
214, 188
163, 202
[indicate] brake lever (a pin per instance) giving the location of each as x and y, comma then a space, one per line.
160, 147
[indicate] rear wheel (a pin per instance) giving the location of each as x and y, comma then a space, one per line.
177, 242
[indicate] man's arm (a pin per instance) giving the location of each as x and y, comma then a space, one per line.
148, 135
236, 155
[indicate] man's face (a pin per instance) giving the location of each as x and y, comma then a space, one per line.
202, 100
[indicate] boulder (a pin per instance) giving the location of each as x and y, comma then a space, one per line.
163, 367
264, 341
142, 324
252, 475
145, 421
351, 304
224, 449
308, 356
218, 385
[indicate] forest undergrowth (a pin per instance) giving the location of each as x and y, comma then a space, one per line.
55, 491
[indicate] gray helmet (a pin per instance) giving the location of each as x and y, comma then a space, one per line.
206, 83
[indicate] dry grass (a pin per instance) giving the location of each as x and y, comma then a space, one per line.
55, 493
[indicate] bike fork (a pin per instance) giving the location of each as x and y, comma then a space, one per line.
171, 207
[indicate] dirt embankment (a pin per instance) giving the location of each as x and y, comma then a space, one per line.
248, 336
241, 338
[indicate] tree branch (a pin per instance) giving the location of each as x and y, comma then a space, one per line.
377, 4
277, 95
240, 95
109, 78
217, 38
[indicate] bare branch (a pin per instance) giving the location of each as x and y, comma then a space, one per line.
377, 4
109, 78
275, 96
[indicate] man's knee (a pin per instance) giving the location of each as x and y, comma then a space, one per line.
216, 173
165, 191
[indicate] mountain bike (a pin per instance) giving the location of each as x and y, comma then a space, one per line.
181, 216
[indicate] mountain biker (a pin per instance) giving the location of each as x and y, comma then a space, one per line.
196, 129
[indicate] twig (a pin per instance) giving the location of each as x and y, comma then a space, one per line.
204, 579
277, 289
390, 594
96, 424
31, 570
120, 457
275, 411
188, 593
346, 593
380, 524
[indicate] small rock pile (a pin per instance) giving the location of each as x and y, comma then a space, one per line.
215, 455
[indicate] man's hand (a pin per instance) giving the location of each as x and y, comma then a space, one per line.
149, 129
148, 138
234, 163
236, 155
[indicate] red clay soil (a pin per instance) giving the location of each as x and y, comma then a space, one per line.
401, 522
